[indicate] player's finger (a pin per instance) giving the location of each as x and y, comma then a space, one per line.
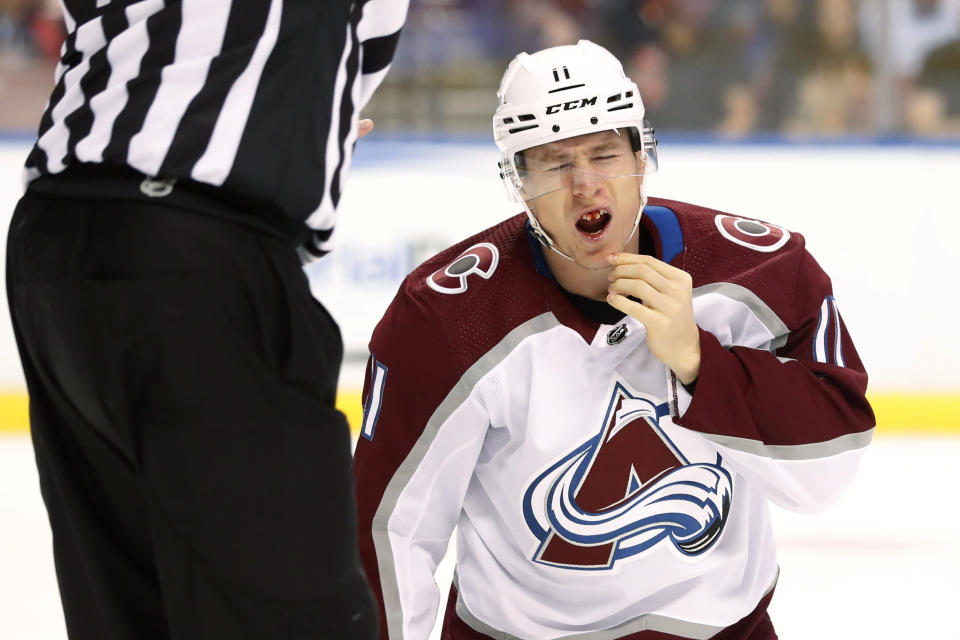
630, 307
659, 266
642, 271
651, 298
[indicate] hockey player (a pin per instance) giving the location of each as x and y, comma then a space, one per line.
602, 395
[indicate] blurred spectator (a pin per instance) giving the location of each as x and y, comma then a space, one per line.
773, 59
31, 29
734, 66
546, 23
626, 26
900, 33
706, 57
909, 30
834, 92
31, 34
933, 107
648, 67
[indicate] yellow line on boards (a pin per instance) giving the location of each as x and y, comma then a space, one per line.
14, 415
907, 413
897, 413
350, 404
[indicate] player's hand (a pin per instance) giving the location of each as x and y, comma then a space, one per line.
364, 127
666, 310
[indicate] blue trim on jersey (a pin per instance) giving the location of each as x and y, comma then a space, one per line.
668, 228
539, 260
378, 380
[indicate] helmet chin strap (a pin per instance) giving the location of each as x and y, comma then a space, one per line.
548, 242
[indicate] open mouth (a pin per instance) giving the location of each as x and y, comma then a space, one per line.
593, 222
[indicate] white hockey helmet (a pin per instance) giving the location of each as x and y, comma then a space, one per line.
559, 93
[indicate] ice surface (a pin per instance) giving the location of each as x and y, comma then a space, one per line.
883, 563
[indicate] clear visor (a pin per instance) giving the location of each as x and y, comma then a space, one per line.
579, 161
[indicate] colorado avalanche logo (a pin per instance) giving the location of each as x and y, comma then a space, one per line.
625, 490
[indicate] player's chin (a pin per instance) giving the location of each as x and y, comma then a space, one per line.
593, 256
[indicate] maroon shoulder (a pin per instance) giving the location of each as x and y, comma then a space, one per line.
764, 257
468, 296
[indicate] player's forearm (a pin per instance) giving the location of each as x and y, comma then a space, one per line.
751, 394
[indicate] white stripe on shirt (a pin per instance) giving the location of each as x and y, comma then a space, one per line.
90, 38
217, 161
325, 215
124, 54
199, 40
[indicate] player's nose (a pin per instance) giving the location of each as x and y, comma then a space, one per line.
584, 182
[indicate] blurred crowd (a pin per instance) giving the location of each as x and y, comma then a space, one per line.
31, 33
731, 67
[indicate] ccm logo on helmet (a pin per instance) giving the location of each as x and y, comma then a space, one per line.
573, 104
480, 259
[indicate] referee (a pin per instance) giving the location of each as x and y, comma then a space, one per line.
182, 378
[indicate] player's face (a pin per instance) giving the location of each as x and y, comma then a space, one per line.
591, 194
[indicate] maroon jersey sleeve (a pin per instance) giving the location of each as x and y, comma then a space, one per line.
790, 415
424, 417
407, 378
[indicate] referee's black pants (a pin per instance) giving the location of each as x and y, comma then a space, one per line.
182, 383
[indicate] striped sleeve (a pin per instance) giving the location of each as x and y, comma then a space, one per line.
365, 63
794, 418
379, 33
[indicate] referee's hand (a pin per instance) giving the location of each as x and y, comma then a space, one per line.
364, 127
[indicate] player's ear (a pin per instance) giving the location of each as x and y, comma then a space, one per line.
641, 161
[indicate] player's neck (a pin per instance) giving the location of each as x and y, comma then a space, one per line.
589, 283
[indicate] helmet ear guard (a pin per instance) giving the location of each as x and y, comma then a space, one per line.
636, 141
647, 143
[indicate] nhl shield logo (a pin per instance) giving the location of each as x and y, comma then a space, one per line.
616, 335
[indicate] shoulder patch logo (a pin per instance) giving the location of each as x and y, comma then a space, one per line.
752, 234
480, 259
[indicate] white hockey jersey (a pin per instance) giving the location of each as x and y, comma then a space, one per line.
592, 495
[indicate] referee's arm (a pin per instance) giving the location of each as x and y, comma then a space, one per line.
378, 32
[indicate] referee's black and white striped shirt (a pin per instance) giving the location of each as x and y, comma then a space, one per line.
256, 100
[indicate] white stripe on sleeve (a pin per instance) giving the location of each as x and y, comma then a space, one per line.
381, 18
837, 341
820, 339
